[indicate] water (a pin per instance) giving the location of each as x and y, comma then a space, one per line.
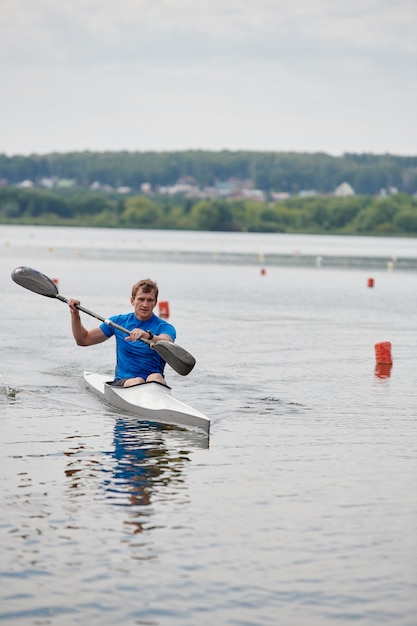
223, 248
300, 509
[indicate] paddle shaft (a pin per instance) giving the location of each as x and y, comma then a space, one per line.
102, 319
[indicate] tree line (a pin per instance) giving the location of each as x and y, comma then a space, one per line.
279, 171
363, 215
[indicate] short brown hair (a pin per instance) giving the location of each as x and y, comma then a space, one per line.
147, 285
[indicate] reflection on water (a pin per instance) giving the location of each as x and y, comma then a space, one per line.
143, 464
383, 370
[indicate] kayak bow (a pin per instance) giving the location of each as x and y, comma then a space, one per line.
150, 401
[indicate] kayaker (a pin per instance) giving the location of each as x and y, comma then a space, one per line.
136, 361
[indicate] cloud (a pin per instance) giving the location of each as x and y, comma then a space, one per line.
230, 73
164, 29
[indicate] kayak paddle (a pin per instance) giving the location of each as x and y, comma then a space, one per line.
179, 359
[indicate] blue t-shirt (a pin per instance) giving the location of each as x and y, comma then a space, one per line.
136, 358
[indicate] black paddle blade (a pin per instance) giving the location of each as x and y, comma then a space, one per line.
34, 281
179, 359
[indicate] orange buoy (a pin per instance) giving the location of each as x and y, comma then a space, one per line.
383, 370
371, 282
163, 308
383, 353
263, 271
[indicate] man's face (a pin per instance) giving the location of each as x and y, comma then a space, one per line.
144, 304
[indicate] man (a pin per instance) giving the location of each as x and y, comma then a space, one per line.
136, 361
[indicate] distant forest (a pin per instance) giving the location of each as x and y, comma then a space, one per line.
123, 190
270, 171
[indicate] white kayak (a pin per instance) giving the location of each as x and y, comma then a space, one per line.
150, 401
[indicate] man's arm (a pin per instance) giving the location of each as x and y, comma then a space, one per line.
82, 336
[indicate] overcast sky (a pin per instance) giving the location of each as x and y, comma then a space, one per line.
329, 76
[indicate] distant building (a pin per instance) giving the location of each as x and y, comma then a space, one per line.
178, 188
232, 186
344, 191
253, 194
389, 191
146, 188
279, 196
66, 183
48, 183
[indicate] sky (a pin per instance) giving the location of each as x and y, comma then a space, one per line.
330, 76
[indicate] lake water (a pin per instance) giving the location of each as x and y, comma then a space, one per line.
302, 506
